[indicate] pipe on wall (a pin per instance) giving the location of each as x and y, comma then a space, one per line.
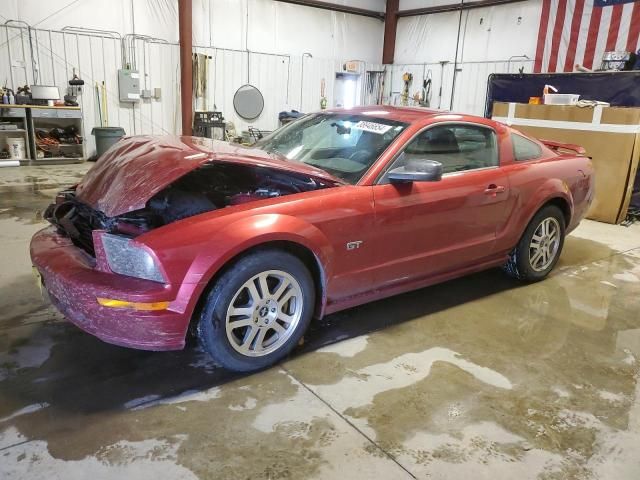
453, 7
185, 13
336, 8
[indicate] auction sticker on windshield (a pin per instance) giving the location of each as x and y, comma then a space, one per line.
372, 127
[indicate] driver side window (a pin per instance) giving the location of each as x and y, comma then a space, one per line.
457, 147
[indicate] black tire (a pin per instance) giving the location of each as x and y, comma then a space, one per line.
519, 264
211, 330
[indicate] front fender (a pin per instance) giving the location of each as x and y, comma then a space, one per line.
256, 230
248, 232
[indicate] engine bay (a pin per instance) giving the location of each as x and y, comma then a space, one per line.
210, 187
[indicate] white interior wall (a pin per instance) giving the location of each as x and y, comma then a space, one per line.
492, 40
157, 18
219, 30
411, 4
277, 34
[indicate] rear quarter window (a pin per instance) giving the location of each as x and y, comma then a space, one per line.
524, 149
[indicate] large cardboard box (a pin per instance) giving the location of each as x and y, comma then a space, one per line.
611, 136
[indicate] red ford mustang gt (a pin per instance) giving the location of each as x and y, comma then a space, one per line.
247, 244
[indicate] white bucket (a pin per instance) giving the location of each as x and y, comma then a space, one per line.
17, 148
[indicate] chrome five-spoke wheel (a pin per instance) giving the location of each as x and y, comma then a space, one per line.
263, 313
544, 244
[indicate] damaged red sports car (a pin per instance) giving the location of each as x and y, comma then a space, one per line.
245, 245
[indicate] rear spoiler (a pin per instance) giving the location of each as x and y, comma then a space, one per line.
555, 146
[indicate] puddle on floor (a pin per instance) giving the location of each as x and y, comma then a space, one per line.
478, 376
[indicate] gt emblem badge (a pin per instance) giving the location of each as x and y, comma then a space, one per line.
354, 245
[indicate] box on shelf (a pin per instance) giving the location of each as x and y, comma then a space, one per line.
560, 98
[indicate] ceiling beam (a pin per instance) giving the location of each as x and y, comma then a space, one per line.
336, 8
454, 7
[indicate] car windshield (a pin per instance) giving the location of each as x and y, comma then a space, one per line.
342, 144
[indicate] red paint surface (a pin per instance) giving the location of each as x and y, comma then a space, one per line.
412, 235
73, 283
137, 168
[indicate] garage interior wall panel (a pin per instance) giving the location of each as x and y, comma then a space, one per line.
497, 39
97, 59
411, 4
278, 35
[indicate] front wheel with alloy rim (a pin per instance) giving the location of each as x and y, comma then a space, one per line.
539, 248
257, 311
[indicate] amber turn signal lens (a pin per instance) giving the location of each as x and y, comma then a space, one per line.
113, 303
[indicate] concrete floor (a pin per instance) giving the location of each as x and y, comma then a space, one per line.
477, 377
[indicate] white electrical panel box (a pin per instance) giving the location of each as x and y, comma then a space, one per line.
129, 85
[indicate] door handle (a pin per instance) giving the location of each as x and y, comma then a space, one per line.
494, 189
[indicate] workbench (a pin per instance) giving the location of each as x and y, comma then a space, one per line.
28, 118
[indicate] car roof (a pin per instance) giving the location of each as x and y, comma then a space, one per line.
410, 114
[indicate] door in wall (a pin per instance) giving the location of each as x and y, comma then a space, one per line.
345, 90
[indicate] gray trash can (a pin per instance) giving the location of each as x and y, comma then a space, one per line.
105, 137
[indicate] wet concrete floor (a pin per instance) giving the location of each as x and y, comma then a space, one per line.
480, 377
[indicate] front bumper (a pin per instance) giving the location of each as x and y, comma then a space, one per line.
73, 285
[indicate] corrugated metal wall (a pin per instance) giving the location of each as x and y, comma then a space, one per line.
97, 58
471, 82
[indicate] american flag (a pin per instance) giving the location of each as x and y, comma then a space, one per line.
579, 31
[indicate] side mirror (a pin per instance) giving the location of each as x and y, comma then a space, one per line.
416, 171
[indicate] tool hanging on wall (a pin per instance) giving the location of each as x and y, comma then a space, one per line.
407, 78
73, 90
323, 98
442, 64
99, 105
425, 100
375, 82
200, 79
75, 84
105, 108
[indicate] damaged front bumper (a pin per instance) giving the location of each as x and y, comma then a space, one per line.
74, 286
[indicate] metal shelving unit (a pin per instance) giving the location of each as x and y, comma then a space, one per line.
28, 118
17, 116
52, 117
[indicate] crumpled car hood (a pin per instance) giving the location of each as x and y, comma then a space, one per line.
136, 168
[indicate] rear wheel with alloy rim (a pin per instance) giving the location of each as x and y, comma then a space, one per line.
544, 244
257, 311
539, 248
